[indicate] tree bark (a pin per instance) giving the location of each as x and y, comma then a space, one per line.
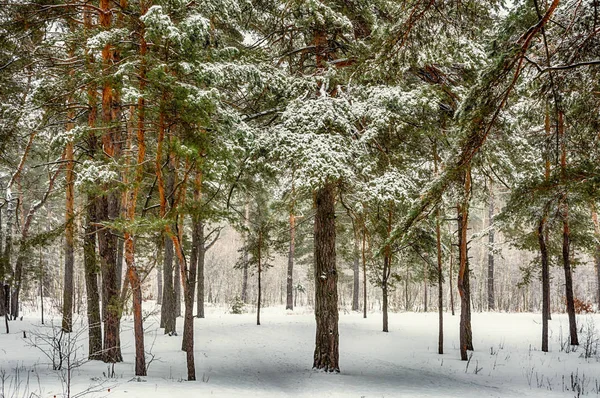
197, 246
567, 236
384, 291
136, 290
177, 289
67, 319
545, 282
201, 259
18, 279
259, 278
168, 317
466, 339
356, 271
290, 269
438, 236
326, 354
91, 283
597, 251
90, 261
119, 269
450, 275
364, 266
159, 275
107, 210
490, 275
109, 203
245, 270
387, 269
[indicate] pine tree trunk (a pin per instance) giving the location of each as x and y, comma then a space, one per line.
18, 279
168, 317
159, 278
438, 246
177, 289
136, 290
466, 339
187, 274
569, 280
67, 310
326, 354
451, 276
259, 279
425, 286
567, 237
438, 236
3, 309
91, 283
490, 275
201, 258
188, 278
120, 253
107, 209
245, 270
387, 268
90, 261
384, 291
364, 266
545, 282
197, 244
356, 272
290, 269
597, 251
108, 203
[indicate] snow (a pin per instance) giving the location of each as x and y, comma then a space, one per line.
234, 357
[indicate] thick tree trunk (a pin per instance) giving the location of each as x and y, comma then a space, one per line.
177, 289
108, 203
120, 250
107, 210
90, 261
490, 275
67, 319
91, 283
466, 339
545, 282
167, 313
290, 269
326, 354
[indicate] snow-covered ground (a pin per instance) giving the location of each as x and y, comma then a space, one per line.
234, 358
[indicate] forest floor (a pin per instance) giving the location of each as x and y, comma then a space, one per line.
235, 357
